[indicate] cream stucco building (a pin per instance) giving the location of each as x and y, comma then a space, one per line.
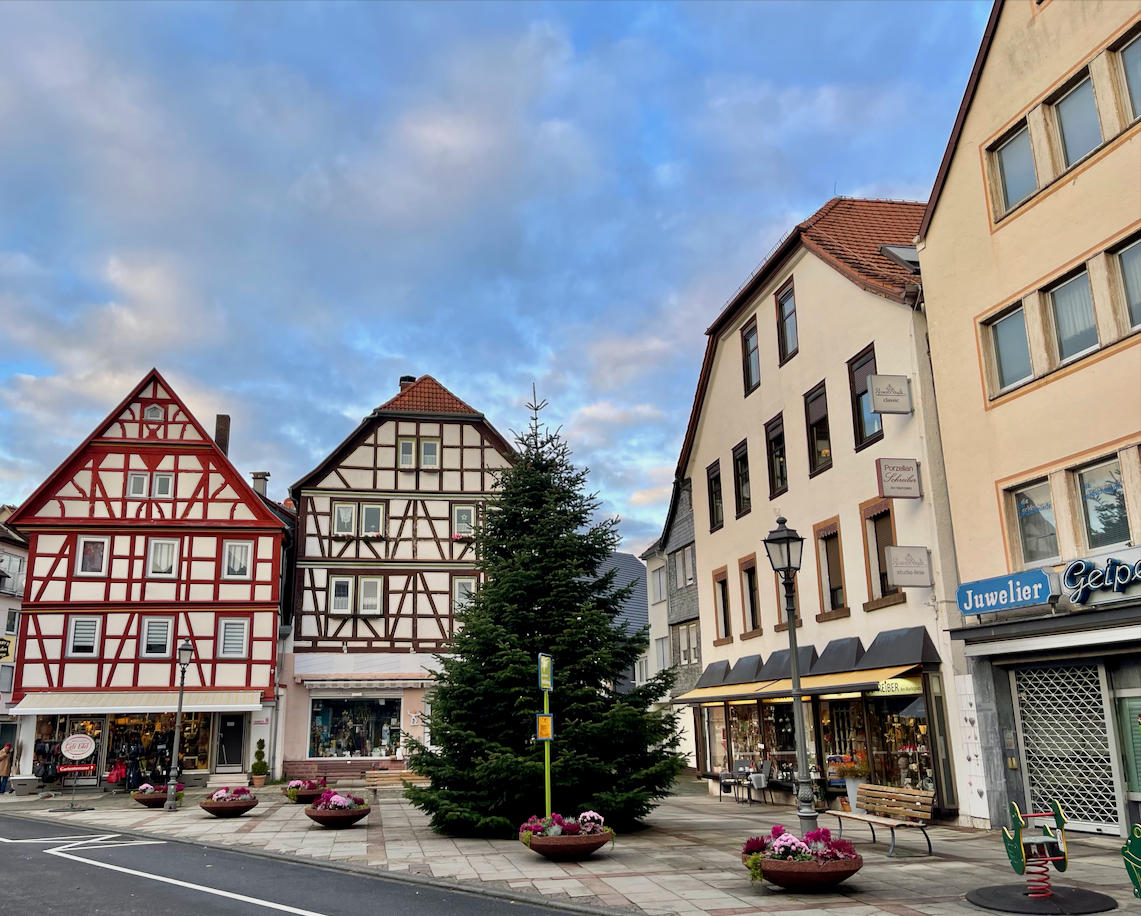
1031, 257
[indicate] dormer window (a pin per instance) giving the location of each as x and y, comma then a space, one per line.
153, 412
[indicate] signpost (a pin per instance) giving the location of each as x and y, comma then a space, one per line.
76, 747
545, 722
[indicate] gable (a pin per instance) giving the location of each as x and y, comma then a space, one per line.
153, 414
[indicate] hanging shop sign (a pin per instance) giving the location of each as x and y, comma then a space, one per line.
7, 649
909, 567
898, 478
77, 747
1031, 588
890, 393
1087, 581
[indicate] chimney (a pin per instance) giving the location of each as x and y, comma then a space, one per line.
222, 433
406, 380
260, 477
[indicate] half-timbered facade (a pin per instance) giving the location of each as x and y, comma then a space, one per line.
384, 555
144, 538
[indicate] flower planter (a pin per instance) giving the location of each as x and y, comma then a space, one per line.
567, 848
810, 875
151, 799
305, 796
228, 808
337, 818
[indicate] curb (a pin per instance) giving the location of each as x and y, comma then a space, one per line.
368, 871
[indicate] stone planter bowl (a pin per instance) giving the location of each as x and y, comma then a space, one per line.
809, 876
568, 848
305, 796
228, 808
153, 800
337, 819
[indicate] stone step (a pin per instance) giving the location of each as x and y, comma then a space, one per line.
220, 780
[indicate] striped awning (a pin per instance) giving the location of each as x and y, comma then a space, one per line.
722, 692
132, 701
810, 684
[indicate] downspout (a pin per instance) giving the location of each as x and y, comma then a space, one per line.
283, 631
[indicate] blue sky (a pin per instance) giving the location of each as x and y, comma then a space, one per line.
286, 206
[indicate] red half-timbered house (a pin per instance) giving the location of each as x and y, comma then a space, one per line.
384, 555
144, 538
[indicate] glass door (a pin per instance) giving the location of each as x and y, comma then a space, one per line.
94, 727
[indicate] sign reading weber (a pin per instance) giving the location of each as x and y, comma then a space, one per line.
890, 393
898, 478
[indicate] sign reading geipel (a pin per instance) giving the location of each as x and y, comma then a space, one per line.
1025, 589
898, 478
890, 393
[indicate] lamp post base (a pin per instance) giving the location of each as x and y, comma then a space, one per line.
805, 808
170, 806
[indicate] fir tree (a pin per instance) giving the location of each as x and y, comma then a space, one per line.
540, 551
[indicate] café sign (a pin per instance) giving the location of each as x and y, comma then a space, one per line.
1031, 588
898, 478
890, 393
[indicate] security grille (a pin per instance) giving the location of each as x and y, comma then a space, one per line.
1067, 742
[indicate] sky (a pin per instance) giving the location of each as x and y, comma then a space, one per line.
284, 207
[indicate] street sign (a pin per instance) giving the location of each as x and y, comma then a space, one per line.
77, 747
544, 727
546, 672
76, 768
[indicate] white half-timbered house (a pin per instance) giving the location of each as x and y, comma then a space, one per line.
145, 537
384, 555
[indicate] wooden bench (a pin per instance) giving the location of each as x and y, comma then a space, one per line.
887, 806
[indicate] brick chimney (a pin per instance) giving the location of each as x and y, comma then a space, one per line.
406, 380
260, 478
222, 433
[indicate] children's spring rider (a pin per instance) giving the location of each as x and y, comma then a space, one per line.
1033, 855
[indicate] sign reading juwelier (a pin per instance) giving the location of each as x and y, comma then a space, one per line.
898, 478
1002, 593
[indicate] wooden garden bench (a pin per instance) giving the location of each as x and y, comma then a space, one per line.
888, 807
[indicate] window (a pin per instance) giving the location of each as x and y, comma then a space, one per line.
684, 566
372, 520
1130, 261
430, 454
1131, 61
340, 595
750, 357
463, 521
688, 638
14, 566
92, 556
831, 569
1077, 121
156, 636
1103, 505
462, 590
1073, 317
865, 423
1035, 512
163, 486
1011, 350
83, 636
750, 599
232, 637
721, 598
406, 453
642, 673
344, 519
716, 506
136, 486
878, 531
1016, 169
12, 622
774, 444
741, 493
787, 342
816, 416
153, 412
658, 584
237, 565
370, 596
7, 676
163, 559
662, 652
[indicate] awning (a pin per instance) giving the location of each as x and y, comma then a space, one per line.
724, 692
158, 701
810, 684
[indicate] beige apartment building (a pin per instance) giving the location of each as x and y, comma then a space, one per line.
790, 418
1031, 256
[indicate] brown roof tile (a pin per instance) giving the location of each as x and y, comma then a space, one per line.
426, 395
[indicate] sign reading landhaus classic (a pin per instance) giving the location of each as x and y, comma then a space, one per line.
890, 393
1002, 593
898, 478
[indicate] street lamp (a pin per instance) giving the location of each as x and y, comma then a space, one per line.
786, 549
174, 771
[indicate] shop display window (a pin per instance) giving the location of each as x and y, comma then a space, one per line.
355, 727
50, 732
779, 733
140, 745
716, 739
745, 733
843, 736
899, 738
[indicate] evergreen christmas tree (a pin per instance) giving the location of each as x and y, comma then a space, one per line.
540, 552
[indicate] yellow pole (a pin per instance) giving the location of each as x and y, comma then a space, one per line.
547, 751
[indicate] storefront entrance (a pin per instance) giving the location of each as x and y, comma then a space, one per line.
231, 742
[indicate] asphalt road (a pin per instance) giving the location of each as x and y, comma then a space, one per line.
46, 869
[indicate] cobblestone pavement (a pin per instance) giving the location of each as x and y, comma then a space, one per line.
687, 860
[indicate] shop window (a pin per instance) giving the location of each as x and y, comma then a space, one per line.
144, 741
163, 486
749, 597
1034, 510
233, 637
430, 454
370, 597
1131, 62
1129, 260
237, 559
372, 520
1015, 159
865, 423
463, 521
721, 604
1073, 317
844, 737
830, 566
7, 677
716, 506
156, 637
658, 585
750, 357
898, 736
1011, 349
357, 727
163, 559
819, 440
788, 342
779, 730
136, 486
774, 447
741, 493
92, 556
340, 595
344, 519
406, 454
83, 637
745, 734
879, 532
462, 590
1103, 505
1077, 122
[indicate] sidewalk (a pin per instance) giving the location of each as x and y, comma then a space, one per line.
686, 862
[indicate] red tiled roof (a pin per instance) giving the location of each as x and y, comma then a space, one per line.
426, 395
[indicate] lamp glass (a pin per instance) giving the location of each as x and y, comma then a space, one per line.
185, 653
778, 553
785, 548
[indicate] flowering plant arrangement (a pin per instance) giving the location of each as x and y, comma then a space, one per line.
334, 801
817, 846
237, 794
589, 823
853, 766
147, 789
303, 785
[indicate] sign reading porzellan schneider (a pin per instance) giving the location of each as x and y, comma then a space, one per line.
898, 478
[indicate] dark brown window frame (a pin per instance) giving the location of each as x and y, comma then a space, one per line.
721, 607
871, 510
743, 566
783, 356
712, 472
750, 325
811, 395
821, 532
741, 448
774, 426
854, 363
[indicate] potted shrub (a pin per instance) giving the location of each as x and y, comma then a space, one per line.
155, 796
332, 809
230, 802
853, 769
566, 839
816, 863
260, 769
304, 791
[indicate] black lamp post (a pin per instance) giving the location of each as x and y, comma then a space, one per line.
786, 549
174, 771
